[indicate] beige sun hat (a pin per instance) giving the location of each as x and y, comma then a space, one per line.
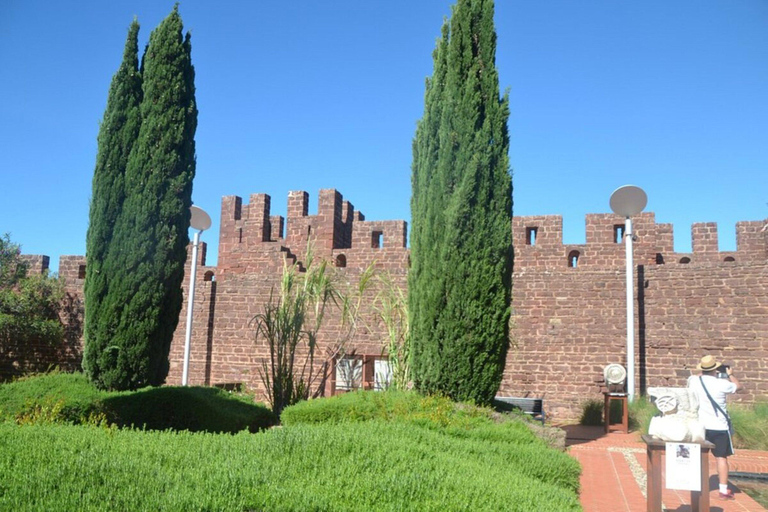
708, 363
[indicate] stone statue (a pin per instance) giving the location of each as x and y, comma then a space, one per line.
680, 419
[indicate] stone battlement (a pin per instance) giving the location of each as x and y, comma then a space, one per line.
569, 300
538, 242
337, 231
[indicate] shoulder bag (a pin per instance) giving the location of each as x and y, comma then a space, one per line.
716, 407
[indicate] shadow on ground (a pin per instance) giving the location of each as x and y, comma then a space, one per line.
579, 434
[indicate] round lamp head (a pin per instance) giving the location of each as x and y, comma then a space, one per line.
200, 220
628, 200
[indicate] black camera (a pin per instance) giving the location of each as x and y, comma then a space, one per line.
722, 371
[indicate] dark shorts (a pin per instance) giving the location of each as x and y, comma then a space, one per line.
722, 441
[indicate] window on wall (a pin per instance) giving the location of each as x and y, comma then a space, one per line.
729, 259
530, 235
573, 259
377, 240
361, 372
340, 261
349, 373
209, 276
685, 259
382, 374
618, 233
81, 272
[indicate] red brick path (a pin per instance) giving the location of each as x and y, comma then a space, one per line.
613, 474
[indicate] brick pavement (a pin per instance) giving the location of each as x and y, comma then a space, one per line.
614, 474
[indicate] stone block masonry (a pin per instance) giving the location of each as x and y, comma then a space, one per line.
568, 299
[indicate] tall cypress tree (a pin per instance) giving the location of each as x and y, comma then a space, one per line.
461, 209
117, 134
148, 252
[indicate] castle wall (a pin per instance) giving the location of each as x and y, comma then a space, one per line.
568, 299
253, 250
570, 317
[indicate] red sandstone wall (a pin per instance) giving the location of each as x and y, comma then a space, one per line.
571, 322
252, 252
568, 300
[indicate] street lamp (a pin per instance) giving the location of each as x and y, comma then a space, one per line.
627, 201
200, 221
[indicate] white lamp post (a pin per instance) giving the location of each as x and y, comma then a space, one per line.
200, 221
627, 201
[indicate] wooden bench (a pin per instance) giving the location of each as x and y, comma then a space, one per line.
531, 406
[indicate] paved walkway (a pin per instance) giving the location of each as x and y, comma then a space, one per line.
613, 474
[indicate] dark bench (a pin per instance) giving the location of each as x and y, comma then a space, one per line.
531, 406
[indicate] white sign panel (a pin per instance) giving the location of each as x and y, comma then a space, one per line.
683, 465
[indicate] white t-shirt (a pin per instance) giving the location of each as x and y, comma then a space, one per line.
718, 389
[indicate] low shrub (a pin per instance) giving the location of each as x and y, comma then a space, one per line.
591, 413
197, 409
427, 411
640, 411
73, 394
70, 398
532, 456
750, 423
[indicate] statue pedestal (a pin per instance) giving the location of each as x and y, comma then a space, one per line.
655, 448
609, 397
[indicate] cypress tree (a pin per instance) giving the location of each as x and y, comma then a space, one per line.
147, 256
461, 209
117, 134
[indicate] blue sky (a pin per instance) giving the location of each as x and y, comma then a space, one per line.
306, 95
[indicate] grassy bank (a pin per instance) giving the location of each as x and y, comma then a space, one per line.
370, 451
374, 465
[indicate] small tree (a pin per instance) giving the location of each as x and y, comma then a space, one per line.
290, 324
392, 308
117, 135
29, 304
461, 210
148, 249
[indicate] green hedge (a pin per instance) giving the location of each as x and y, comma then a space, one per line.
373, 465
70, 397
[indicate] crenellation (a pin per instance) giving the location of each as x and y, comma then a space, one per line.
202, 254
258, 217
330, 232
276, 227
380, 234
347, 223
604, 229
72, 271
537, 231
704, 238
665, 241
36, 263
298, 211
752, 240
231, 208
